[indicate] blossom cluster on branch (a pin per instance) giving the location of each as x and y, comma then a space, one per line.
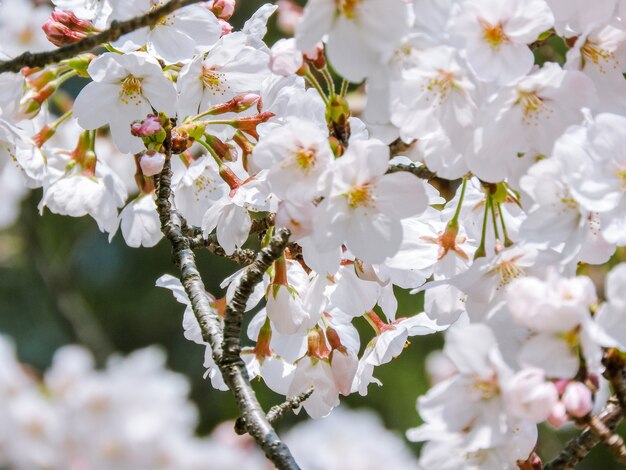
484, 170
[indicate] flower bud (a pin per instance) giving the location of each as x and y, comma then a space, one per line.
248, 124
315, 56
63, 27
150, 130
577, 399
223, 9
285, 58
237, 104
558, 415
224, 151
151, 163
148, 127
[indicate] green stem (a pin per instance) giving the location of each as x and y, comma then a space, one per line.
329, 79
61, 120
344, 88
480, 252
313, 81
455, 220
493, 218
507, 240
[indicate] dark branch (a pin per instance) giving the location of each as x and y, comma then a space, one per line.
419, 171
578, 448
115, 31
249, 280
233, 369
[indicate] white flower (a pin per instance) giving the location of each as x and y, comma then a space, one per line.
596, 171
555, 305
175, 37
125, 88
74, 192
365, 205
496, 34
230, 68
296, 155
527, 117
362, 34
140, 223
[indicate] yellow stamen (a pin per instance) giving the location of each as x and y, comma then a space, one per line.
494, 34
131, 89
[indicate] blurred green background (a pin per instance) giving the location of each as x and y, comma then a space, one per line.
62, 282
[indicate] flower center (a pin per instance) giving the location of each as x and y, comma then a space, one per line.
493, 34
306, 158
508, 271
213, 80
440, 86
486, 388
533, 107
348, 7
131, 90
360, 196
600, 57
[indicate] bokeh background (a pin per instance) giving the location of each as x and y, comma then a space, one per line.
63, 282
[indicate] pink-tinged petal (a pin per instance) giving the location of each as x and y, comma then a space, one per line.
318, 19
94, 104
199, 24
400, 195
170, 44
551, 354
374, 237
469, 348
346, 53
161, 94
106, 68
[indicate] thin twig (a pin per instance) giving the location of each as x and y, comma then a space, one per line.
278, 411
115, 31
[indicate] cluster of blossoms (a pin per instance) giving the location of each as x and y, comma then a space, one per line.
530, 156
134, 414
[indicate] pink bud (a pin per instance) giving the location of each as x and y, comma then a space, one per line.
152, 163
150, 126
285, 58
63, 27
558, 415
315, 56
60, 35
223, 9
577, 399
227, 28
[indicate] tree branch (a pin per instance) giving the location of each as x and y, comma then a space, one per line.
233, 368
578, 448
419, 171
115, 31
